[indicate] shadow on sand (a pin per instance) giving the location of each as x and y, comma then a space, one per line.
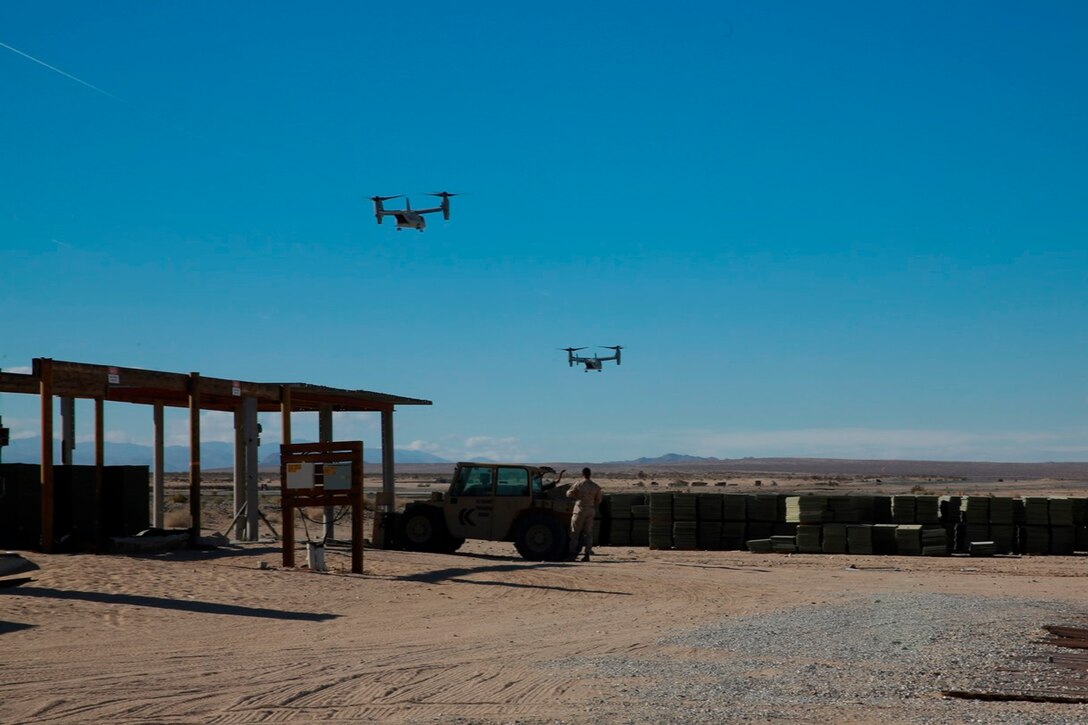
181, 605
9, 627
458, 574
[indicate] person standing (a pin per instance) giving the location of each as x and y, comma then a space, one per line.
587, 497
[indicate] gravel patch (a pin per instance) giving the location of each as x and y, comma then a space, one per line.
879, 658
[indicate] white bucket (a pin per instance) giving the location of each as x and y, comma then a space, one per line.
315, 556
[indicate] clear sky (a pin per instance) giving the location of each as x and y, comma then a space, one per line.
842, 229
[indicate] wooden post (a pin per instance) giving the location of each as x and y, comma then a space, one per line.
324, 435
158, 483
67, 429
194, 454
239, 473
251, 439
357, 513
285, 412
45, 390
286, 507
99, 462
388, 498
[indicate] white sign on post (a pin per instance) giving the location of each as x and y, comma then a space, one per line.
300, 475
337, 476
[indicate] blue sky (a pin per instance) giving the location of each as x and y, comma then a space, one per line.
843, 229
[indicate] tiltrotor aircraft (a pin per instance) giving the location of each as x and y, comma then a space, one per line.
595, 362
409, 218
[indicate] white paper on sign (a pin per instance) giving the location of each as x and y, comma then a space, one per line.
300, 475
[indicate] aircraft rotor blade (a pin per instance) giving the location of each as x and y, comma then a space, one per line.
443, 194
386, 198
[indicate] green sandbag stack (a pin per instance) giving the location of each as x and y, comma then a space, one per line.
617, 508
1002, 511
734, 535
1004, 538
934, 541
784, 544
884, 539
882, 509
927, 510
1080, 511
640, 524
709, 507
859, 538
1060, 510
1063, 540
618, 505
685, 535
975, 510
807, 509
710, 535
908, 539
759, 529
1035, 539
734, 507
903, 509
685, 507
843, 510
760, 546
808, 538
763, 507
862, 508
950, 510
1063, 535
1036, 511
619, 532
1081, 538
597, 533
834, 539
660, 533
974, 532
982, 548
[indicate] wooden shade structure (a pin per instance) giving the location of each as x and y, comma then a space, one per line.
194, 391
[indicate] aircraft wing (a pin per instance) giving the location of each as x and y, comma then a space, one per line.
432, 210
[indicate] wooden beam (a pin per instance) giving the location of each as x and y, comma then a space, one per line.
194, 454
44, 369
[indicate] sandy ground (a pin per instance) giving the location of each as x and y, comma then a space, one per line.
214, 637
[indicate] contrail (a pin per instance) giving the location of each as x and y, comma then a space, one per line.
66, 75
95, 88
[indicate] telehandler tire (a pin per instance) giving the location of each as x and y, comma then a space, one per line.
540, 537
422, 528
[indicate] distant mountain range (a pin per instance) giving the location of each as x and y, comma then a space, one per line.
666, 459
213, 454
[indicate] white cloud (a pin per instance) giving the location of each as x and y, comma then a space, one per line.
499, 449
215, 425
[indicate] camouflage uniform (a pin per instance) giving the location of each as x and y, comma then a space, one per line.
587, 496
